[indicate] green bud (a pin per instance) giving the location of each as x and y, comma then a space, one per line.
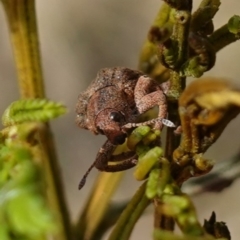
234, 24
147, 162
137, 135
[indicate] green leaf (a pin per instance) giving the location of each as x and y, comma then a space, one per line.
28, 215
27, 110
22, 203
4, 231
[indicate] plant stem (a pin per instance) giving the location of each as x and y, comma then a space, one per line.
21, 17
204, 14
162, 221
148, 60
223, 37
23, 33
55, 190
130, 215
180, 37
97, 205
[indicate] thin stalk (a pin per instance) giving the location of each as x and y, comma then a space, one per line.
148, 60
97, 205
21, 17
55, 190
130, 215
204, 14
222, 37
180, 37
162, 221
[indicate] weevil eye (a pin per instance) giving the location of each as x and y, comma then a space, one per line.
116, 116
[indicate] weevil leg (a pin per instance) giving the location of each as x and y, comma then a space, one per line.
105, 156
147, 94
124, 161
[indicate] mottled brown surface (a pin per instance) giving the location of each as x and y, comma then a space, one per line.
115, 98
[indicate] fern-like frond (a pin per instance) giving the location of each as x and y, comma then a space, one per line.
26, 110
24, 213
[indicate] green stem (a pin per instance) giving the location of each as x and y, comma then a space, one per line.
223, 37
97, 205
180, 37
21, 17
182, 210
211, 3
130, 215
204, 14
55, 190
162, 221
148, 60
177, 85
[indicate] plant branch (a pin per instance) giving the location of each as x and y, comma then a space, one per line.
148, 60
180, 38
97, 205
21, 19
226, 34
130, 215
204, 14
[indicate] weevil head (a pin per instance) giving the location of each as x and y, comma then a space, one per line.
109, 122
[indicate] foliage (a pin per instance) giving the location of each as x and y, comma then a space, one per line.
180, 44
24, 213
28, 110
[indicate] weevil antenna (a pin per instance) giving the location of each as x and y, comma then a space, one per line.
84, 178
